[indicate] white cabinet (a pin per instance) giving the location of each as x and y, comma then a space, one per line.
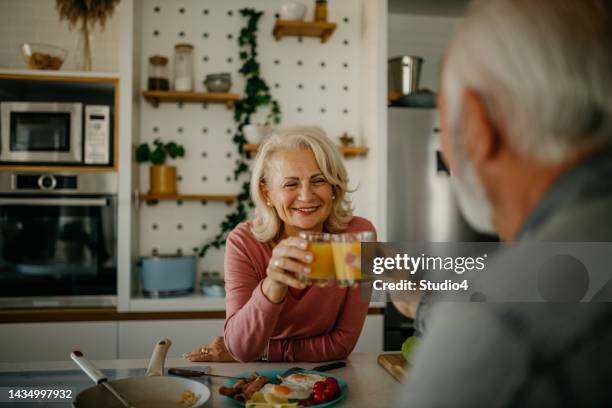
371, 339
137, 338
23, 342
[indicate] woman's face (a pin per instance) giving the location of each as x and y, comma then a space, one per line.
298, 190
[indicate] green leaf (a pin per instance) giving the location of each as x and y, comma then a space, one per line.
142, 153
256, 95
158, 157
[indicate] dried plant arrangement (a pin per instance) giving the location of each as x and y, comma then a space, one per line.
85, 14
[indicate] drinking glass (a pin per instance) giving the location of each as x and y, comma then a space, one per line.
343, 244
322, 266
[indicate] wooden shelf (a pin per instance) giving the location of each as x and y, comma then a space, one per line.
348, 152
155, 198
351, 151
75, 76
291, 28
156, 97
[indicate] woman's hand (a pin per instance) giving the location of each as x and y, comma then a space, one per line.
289, 259
215, 351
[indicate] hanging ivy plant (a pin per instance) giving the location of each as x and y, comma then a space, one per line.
256, 95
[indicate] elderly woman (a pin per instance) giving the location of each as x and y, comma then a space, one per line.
298, 184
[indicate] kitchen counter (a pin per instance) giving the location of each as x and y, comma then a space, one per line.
369, 384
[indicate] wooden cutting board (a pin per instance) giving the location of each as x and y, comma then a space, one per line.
395, 364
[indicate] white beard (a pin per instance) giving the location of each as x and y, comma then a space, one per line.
473, 200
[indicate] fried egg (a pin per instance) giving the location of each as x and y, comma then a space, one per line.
285, 391
302, 380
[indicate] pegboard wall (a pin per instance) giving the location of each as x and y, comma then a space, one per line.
315, 84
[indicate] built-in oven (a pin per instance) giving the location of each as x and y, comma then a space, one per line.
54, 133
58, 239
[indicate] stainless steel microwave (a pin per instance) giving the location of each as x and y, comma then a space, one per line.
48, 133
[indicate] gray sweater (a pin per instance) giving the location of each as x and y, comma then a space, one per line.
525, 354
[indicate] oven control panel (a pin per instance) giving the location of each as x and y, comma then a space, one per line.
97, 140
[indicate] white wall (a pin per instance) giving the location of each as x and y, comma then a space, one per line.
309, 93
38, 21
425, 36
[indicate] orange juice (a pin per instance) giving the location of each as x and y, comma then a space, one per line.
345, 273
342, 245
322, 266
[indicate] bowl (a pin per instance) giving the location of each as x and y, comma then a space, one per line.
218, 82
292, 11
255, 134
43, 56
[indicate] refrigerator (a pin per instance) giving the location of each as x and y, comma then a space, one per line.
421, 206
420, 201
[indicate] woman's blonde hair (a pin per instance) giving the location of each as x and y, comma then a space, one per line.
267, 224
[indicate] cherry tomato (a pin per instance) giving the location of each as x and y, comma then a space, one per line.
329, 393
319, 386
319, 397
331, 381
333, 384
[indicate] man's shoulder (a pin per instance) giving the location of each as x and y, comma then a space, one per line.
583, 220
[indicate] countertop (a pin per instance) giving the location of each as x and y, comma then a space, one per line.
369, 384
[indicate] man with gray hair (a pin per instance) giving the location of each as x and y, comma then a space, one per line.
526, 111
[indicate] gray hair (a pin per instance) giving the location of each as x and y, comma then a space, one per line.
267, 224
543, 69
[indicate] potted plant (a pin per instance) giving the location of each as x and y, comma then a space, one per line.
162, 176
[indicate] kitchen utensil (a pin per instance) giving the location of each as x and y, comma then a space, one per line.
274, 373
292, 11
181, 372
403, 74
218, 82
418, 99
97, 376
151, 391
395, 364
43, 56
167, 275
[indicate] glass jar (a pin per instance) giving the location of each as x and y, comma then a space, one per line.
158, 74
320, 12
183, 67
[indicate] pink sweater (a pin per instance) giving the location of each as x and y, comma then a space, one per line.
319, 324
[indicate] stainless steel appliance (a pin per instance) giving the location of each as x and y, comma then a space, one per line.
421, 206
55, 133
420, 203
58, 239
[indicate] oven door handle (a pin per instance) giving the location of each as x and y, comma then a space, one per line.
68, 202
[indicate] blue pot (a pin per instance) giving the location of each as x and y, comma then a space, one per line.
167, 275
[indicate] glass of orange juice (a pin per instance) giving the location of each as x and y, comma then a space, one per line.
322, 271
343, 244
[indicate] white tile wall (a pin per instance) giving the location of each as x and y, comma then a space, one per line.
38, 21
424, 36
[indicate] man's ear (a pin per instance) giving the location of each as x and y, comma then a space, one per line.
480, 137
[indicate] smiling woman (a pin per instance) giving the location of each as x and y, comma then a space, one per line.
298, 184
